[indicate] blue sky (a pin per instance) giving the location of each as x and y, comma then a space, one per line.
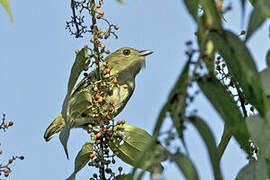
36, 58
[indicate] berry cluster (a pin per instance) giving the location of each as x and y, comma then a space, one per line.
77, 26
5, 169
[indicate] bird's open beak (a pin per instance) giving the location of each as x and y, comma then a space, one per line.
145, 52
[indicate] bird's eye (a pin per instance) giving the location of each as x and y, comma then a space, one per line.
126, 52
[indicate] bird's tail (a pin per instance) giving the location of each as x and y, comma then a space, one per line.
56, 126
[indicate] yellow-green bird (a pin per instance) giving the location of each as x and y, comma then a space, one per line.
125, 64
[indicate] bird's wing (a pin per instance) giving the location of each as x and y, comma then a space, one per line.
84, 82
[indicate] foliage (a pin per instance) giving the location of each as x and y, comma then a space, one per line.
5, 169
5, 4
233, 85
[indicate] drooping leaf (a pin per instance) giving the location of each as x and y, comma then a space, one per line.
5, 4
226, 107
82, 61
225, 139
177, 100
134, 143
213, 17
192, 7
241, 64
185, 165
63, 136
254, 170
259, 14
81, 159
210, 142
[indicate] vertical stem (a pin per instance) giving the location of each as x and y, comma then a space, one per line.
95, 36
96, 56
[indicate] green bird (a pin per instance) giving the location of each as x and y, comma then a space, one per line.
125, 64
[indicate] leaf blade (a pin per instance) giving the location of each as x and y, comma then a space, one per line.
241, 65
226, 107
81, 159
6, 5
185, 165
210, 142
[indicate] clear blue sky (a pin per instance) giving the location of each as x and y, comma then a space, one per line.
36, 57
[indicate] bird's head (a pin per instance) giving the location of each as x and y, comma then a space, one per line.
127, 60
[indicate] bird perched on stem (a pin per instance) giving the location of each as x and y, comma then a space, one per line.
83, 104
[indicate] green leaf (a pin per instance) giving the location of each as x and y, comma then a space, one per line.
260, 133
265, 77
259, 14
82, 61
225, 139
254, 170
210, 142
64, 135
252, 2
5, 4
268, 58
185, 165
226, 107
192, 7
213, 17
240, 63
82, 159
124, 177
134, 142
177, 100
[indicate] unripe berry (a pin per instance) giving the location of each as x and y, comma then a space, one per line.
103, 46
5, 125
101, 13
119, 122
98, 6
77, 51
104, 64
6, 170
100, 100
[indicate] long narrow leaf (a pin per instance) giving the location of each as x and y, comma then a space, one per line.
242, 66
227, 109
259, 14
185, 165
5, 4
209, 140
